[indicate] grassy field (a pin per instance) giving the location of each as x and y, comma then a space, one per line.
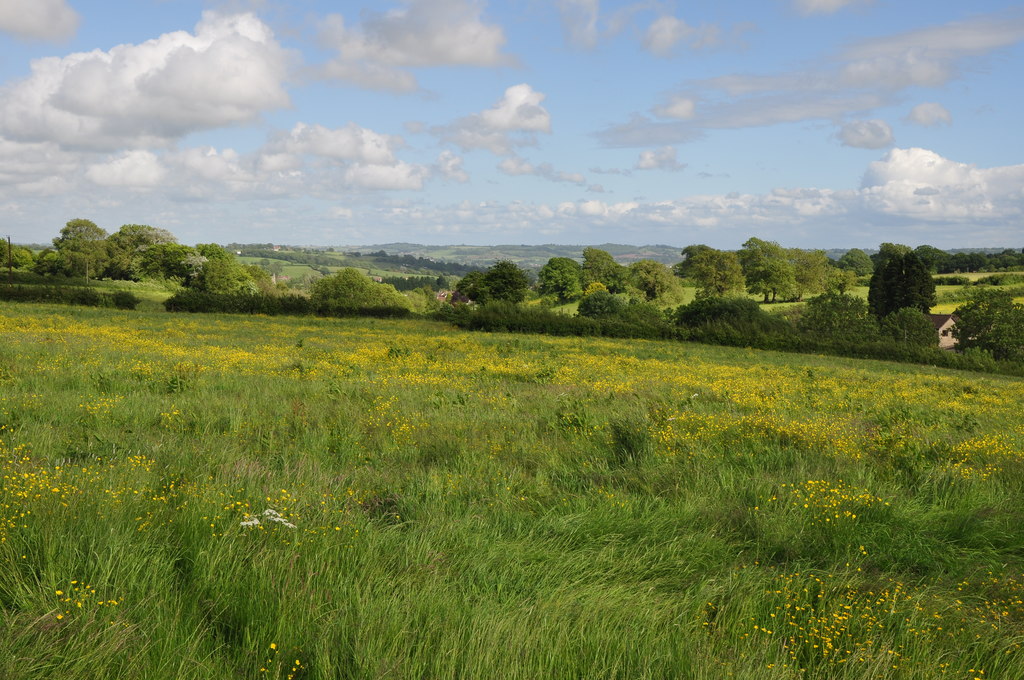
244, 497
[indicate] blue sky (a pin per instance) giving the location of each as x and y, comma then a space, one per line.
814, 123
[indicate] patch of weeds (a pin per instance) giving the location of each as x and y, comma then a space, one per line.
631, 440
386, 508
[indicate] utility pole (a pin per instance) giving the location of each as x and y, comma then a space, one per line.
10, 263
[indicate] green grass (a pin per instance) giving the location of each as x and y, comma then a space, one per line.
493, 506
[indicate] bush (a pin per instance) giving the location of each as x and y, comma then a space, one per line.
123, 299
951, 281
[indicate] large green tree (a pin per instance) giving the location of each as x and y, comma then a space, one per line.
126, 247
684, 269
768, 270
82, 248
600, 267
716, 273
810, 272
562, 278
652, 278
910, 327
506, 281
991, 321
503, 281
838, 316
349, 291
857, 261
902, 280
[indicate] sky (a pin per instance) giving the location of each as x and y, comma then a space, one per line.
813, 123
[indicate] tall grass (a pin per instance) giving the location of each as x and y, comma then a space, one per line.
493, 506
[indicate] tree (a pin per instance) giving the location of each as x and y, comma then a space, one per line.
215, 270
601, 304
126, 247
838, 316
857, 261
505, 281
349, 291
902, 280
82, 248
684, 269
767, 269
167, 261
600, 266
886, 251
473, 287
932, 257
910, 327
839, 280
991, 321
562, 278
810, 270
651, 277
20, 258
716, 273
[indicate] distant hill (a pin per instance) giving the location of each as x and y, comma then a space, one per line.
533, 257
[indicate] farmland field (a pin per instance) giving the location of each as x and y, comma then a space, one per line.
208, 496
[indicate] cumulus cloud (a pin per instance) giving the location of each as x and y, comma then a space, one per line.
228, 72
35, 167
659, 159
137, 169
518, 166
825, 6
351, 142
928, 114
921, 184
374, 53
38, 19
511, 122
450, 167
866, 134
399, 176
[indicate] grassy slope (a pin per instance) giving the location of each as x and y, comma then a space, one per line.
493, 506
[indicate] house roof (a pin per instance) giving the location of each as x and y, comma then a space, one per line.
940, 320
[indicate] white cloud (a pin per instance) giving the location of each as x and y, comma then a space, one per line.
450, 166
32, 166
399, 176
228, 72
351, 142
928, 57
866, 134
857, 80
518, 166
667, 31
130, 169
664, 33
518, 111
579, 20
663, 158
679, 107
38, 19
929, 113
825, 6
919, 183
425, 33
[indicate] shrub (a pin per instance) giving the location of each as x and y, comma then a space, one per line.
123, 299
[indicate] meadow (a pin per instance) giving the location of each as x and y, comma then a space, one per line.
203, 496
